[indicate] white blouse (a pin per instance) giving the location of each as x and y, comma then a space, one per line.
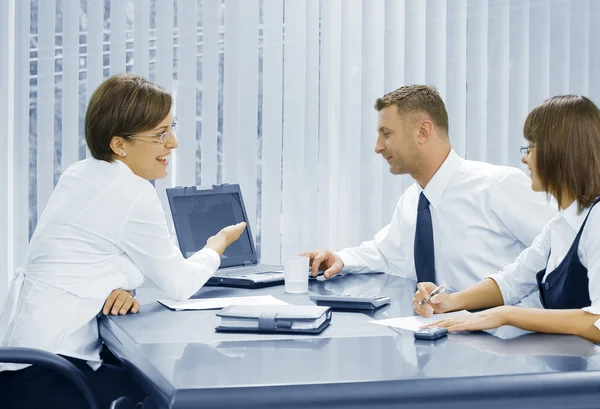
103, 229
517, 280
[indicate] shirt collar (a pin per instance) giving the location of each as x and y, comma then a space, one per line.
573, 219
122, 166
438, 183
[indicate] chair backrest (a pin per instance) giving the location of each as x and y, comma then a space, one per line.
18, 355
122, 403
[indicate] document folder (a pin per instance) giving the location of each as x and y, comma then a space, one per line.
274, 318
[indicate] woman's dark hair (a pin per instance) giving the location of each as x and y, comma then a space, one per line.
565, 131
123, 105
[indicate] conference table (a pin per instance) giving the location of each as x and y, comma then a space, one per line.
181, 361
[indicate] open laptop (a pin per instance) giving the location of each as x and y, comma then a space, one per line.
199, 213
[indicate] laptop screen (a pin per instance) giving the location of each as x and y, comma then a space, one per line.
202, 216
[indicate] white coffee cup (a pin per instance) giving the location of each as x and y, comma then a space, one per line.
295, 274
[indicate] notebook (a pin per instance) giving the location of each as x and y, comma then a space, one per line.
199, 213
274, 318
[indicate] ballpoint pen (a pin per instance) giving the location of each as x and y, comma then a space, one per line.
437, 290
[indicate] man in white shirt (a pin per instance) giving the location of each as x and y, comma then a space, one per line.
473, 219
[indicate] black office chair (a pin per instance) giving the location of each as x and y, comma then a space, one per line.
59, 364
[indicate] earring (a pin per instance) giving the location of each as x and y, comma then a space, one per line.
123, 154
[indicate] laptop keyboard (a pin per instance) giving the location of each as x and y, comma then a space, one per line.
255, 269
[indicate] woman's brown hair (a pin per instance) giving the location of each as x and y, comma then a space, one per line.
123, 105
565, 131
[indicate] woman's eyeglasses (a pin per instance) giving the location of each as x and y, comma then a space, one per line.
161, 138
526, 150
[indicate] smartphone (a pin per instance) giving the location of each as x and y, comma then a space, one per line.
431, 334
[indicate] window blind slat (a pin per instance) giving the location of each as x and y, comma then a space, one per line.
328, 106
477, 34
435, 45
350, 124
271, 132
559, 50
518, 74
456, 74
95, 48
294, 127
394, 73
21, 135
45, 100
231, 102
579, 47
117, 36
498, 76
164, 78
7, 116
312, 123
187, 84
539, 52
371, 164
70, 83
141, 29
247, 98
210, 89
594, 55
95, 52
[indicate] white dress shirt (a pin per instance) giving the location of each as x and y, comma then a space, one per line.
102, 229
517, 280
483, 216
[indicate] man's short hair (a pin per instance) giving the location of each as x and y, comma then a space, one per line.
565, 133
417, 98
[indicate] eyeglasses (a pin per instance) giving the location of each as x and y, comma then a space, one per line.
162, 137
526, 150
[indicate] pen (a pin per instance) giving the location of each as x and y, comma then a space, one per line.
437, 290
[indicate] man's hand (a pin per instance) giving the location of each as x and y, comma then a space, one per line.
324, 260
120, 302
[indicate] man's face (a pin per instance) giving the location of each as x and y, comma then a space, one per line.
397, 141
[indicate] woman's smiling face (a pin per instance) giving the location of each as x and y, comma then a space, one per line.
146, 154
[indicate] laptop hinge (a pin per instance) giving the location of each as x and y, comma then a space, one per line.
249, 262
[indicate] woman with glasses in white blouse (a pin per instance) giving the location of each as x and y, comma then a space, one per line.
563, 262
102, 233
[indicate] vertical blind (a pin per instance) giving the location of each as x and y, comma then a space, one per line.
277, 95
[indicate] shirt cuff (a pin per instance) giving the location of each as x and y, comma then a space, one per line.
213, 258
505, 290
594, 309
348, 260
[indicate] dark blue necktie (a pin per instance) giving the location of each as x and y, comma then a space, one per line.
424, 256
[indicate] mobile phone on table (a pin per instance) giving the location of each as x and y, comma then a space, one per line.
431, 333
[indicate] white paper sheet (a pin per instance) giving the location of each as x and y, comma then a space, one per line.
217, 303
414, 323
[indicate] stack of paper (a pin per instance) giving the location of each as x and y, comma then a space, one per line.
218, 303
414, 323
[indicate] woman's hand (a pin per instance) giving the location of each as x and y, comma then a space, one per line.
225, 237
120, 302
437, 304
488, 319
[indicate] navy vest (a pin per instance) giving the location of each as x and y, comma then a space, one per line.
567, 286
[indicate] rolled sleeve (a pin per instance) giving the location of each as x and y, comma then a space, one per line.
146, 240
208, 256
518, 279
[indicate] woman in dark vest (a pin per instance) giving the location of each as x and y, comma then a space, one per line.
563, 262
